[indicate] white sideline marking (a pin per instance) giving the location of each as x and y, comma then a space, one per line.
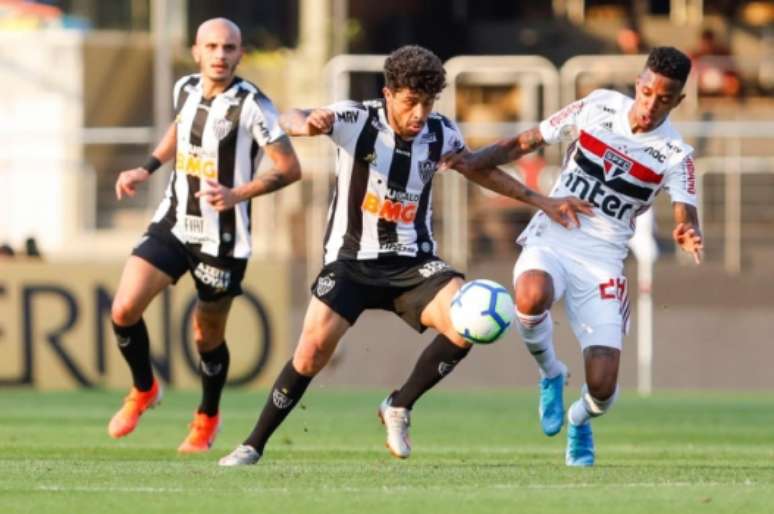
349, 489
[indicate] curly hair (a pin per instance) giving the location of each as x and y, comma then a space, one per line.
415, 68
669, 62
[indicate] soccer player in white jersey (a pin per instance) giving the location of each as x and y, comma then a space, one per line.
379, 246
224, 124
621, 153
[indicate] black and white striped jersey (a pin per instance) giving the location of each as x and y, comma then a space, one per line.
221, 139
382, 204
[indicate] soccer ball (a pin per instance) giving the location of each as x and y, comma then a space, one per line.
481, 311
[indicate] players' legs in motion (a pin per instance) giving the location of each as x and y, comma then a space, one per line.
140, 283
322, 330
597, 396
209, 329
534, 292
440, 357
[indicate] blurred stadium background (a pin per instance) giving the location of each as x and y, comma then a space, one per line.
87, 91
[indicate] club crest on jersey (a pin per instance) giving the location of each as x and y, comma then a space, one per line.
426, 169
617, 162
222, 127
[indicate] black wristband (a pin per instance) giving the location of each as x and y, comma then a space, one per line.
152, 164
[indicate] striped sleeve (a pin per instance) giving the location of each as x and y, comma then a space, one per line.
264, 124
453, 140
349, 118
177, 90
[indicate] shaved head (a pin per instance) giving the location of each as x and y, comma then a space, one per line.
217, 51
218, 25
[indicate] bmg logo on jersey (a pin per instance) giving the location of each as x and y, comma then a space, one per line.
401, 207
216, 278
197, 165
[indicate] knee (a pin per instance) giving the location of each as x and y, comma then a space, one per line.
534, 292
206, 336
123, 312
602, 388
311, 355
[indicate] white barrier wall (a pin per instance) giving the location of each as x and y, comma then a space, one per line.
41, 115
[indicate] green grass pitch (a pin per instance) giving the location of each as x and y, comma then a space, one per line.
474, 451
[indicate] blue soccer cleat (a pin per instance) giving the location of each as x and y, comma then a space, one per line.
551, 408
580, 445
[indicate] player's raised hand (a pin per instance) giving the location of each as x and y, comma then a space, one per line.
565, 210
689, 240
128, 180
219, 196
320, 121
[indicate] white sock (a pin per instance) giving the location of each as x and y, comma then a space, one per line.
537, 330
578, 415
587, 407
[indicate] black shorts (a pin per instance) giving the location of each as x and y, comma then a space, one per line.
215, 277
403, 285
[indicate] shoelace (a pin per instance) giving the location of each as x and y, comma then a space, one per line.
397, 419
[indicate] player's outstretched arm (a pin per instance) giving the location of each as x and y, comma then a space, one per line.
307, 122
687, 233
285, 171
562, 210
500, 152
128, 180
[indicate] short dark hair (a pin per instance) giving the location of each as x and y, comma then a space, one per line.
415, 68
669, 62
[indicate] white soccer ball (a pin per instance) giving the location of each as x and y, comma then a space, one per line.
481, 311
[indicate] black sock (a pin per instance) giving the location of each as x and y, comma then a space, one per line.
214, 369
438, 360
134, 346
285, 393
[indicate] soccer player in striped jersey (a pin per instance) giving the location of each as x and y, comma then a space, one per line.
379, 246
223, 126
621, 153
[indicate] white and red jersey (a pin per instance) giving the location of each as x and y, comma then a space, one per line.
618, 172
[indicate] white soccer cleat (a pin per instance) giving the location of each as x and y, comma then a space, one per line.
397, 421
243, 455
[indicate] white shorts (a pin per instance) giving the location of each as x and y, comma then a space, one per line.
596, 295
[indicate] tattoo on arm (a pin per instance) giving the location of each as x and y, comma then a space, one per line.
282, 153
508, 150
500, 182
273, 180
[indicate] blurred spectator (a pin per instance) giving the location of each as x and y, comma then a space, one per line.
31, 248
6, 252
715, 68
629, 41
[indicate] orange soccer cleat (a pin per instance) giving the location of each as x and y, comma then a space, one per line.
125, 420
204, 428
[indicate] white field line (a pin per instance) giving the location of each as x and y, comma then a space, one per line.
388, 489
